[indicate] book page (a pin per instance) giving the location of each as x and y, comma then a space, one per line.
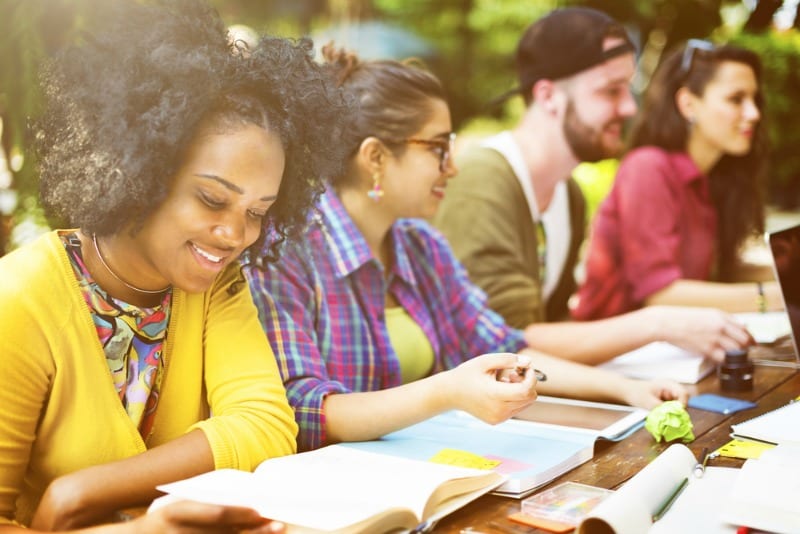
330, 488
630, 509
699, 507
767, 492
661, 360
381, 521
531, 455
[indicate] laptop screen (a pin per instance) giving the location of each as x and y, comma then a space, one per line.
785, 248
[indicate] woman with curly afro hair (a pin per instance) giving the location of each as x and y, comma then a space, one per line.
131, 350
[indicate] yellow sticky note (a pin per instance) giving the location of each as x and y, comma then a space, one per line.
463, 459
737, 448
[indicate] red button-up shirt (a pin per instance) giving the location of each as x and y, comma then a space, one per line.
657, 225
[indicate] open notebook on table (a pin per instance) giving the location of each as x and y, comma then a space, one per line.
697, 508
530, 452
763, 494
778, 426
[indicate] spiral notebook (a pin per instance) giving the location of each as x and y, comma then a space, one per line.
781, 425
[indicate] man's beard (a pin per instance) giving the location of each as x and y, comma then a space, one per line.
586, 142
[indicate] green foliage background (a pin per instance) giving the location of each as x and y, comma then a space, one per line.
780, 53
474, 42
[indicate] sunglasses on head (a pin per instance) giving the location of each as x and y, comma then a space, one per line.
693, 46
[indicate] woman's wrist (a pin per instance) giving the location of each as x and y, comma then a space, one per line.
443, 391
761, 298
651, 322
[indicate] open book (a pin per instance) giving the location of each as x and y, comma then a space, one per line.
530, 452
697, 507
781, 425
341, 489
662, 360
766, 494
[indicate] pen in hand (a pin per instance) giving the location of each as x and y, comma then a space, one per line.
540, 376
519, 371
665, 506
517, 374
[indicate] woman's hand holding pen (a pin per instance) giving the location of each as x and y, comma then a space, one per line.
494, 387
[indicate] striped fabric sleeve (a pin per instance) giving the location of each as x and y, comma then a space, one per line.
284, 293
476, 329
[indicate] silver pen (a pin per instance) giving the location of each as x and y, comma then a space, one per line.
700, 467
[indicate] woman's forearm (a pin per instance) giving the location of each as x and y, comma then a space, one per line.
92, 495
369, 415
733, 297
593, 342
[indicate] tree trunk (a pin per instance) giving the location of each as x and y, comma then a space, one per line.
761, 18
796, 24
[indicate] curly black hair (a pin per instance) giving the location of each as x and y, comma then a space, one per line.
122, 106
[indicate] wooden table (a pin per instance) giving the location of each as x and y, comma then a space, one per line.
614, 463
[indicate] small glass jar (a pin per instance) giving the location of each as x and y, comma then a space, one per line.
736, 371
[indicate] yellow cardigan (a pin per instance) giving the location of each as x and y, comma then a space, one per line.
59, 410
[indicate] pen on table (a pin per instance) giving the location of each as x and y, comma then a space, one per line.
665, 506
700, 467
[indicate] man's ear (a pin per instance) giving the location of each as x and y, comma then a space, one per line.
544, 93
371, 155
685, 102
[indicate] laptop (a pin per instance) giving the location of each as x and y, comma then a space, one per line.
785, 248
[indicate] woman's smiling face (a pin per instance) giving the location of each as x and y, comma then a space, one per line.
415, 181
726, 115
214, 210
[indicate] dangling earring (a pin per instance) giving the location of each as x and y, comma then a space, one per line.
376, 192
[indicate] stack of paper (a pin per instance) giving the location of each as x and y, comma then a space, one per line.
662, 360
766, 494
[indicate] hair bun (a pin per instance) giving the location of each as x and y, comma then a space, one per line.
342, 62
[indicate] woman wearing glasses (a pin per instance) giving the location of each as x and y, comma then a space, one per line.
687, 195
374, 323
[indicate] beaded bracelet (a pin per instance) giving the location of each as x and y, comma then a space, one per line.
761, 300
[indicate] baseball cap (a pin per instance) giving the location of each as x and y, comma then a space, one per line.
567, 41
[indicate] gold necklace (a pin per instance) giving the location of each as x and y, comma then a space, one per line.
120, 280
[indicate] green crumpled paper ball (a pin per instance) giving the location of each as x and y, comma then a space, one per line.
669, 421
